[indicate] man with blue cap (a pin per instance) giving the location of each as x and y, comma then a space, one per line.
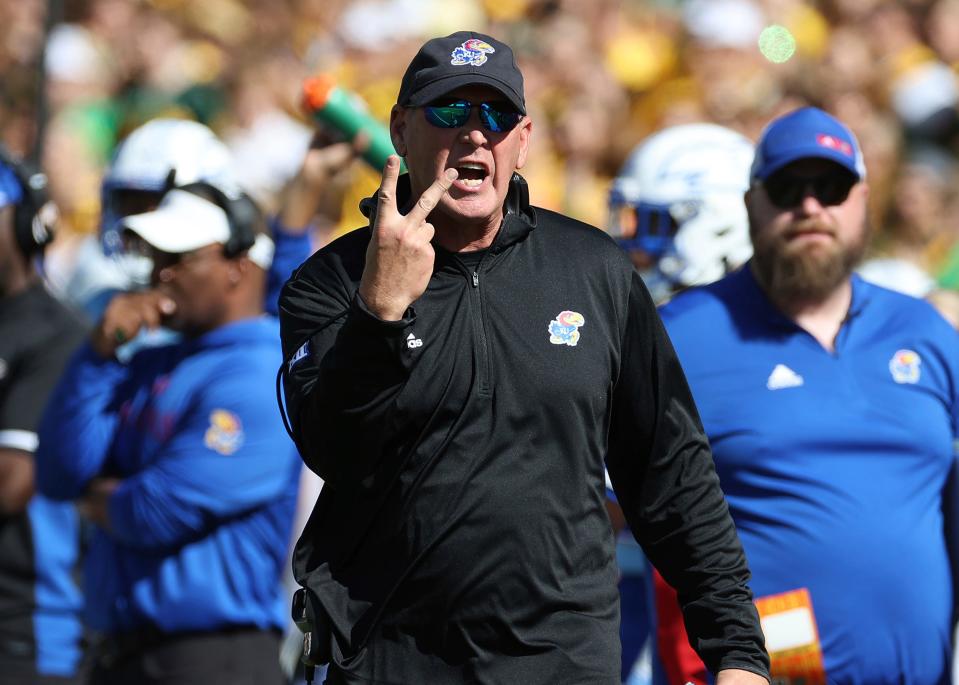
831, 407
39, 539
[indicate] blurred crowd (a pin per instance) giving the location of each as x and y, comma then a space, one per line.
80, 74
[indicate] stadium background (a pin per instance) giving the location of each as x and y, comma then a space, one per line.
80, 74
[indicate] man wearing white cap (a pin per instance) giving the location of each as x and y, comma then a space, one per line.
177, 457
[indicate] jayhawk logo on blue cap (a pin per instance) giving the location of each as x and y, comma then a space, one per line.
473, 53
835, 143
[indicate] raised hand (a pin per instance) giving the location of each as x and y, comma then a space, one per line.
320, 182
126, 315
399, 259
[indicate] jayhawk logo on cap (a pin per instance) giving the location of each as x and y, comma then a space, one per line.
834, 143
904, 366
225, 434
473, 52
564, 329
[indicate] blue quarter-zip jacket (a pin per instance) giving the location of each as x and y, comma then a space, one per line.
201, 520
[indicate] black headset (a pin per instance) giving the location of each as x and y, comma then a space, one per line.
33, 216
242, 215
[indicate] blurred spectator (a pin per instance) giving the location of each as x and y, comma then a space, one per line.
189, 479
916, 235
942, 27
922, 91
40, 633
266, 142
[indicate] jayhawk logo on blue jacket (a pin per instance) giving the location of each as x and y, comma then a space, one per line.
564, 329
473, 52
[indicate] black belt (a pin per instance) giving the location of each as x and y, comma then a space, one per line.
116, 648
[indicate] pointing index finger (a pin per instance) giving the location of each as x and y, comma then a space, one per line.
432, 195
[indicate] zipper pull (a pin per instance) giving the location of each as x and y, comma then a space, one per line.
475, 280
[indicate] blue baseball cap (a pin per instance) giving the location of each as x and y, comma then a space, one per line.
11, 192
807, 133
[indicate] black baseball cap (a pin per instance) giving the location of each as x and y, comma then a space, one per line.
464, 58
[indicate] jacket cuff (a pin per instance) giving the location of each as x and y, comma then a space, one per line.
374, 324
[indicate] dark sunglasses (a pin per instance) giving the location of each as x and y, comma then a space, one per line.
787, 190
496, 117
135, 246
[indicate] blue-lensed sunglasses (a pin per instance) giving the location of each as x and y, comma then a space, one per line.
454, 114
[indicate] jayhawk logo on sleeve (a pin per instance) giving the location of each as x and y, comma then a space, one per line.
564, 329
905, 366
473, 52
225, 434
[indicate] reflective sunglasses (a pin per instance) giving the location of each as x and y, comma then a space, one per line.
787, 190
496, 117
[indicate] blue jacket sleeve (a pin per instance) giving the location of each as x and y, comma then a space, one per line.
230, 455
291, 250
78, 425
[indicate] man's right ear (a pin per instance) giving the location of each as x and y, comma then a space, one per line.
398, 129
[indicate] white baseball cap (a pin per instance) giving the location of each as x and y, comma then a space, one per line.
184, 222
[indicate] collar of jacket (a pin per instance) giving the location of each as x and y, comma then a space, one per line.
519, 217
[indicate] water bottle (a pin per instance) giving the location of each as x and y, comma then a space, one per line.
344, 111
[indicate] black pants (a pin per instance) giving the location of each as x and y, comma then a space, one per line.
236, 657
29, 676
15, 671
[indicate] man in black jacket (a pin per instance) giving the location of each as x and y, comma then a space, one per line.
40, 630
457, 373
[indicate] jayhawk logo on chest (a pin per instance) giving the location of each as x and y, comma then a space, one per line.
905, 367
564, 329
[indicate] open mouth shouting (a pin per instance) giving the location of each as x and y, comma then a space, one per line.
472, 176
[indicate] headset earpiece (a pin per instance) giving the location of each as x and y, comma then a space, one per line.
241, 211
34, 216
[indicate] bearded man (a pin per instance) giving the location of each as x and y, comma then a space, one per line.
831, 407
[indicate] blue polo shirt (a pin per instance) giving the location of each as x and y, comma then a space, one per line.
834, 464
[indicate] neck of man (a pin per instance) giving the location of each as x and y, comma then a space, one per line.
231, 315
820, 316
243, 301
461, 235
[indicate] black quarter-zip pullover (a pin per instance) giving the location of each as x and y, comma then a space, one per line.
461, 536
